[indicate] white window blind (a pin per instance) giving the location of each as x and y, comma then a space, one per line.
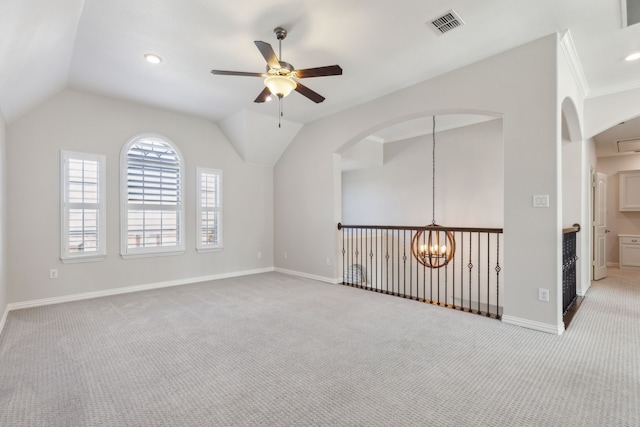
83, 207
209, 209
153, 220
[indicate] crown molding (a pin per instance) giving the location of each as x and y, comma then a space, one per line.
571, 55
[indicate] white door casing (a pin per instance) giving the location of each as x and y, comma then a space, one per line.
600, 226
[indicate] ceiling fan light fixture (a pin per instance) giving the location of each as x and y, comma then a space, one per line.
633, 57
280, 86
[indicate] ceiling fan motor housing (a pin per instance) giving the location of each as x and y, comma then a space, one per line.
280, 33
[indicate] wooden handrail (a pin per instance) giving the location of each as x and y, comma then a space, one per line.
420, 227
574, 229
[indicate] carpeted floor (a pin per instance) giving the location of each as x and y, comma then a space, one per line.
276, 350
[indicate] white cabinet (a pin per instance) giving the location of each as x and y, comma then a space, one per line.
630, 190
629, 252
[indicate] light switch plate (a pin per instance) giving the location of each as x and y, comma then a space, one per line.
541, 201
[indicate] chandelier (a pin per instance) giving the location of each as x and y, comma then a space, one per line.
433, 247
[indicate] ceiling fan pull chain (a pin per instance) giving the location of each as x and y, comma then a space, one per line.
280, 111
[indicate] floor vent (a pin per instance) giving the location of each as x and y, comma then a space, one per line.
446, 22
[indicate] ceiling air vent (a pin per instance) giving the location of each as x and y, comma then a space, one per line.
630, 12
446, 22
629, 145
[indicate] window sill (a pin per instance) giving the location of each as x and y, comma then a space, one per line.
79, 259
205, 250
152, 254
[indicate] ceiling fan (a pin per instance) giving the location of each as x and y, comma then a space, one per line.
281, 77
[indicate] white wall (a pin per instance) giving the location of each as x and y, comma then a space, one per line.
74, 120
3, 221
520, 85
618, 222
469, 181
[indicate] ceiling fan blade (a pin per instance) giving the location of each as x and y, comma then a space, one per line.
314, 96
236, 73
269, 55
330, 70
263, 95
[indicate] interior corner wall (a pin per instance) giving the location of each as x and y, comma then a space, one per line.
80, 121
3, 219
520, 85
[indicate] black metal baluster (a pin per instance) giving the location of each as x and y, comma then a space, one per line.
498, 316
453, 277
367, 267
404, 263
462, 271
387, 261
411, 270
479, 264
424, 275
438, 284
357, 253
446, 284
376, 260
363, 246
344, 253
470, 266
488, 274
393, 260
430, 285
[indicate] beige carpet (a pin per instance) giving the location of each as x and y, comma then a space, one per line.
272, 349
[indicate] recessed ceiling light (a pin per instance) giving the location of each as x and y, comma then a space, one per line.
633, 56
154, 59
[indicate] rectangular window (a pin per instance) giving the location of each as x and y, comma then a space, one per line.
209, 209
83, 206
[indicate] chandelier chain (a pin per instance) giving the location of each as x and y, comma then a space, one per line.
433, 174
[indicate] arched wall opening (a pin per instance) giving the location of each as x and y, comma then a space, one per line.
387, 176
576, 189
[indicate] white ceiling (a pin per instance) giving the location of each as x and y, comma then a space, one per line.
382, 46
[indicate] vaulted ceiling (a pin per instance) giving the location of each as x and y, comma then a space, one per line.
382, 46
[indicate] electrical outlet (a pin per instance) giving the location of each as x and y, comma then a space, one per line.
259, 255
53, 273
543, 294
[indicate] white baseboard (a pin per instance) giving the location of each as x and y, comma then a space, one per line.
331, 280
532, 324
4, 319
128, 289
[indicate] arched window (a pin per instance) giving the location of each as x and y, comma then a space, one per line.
152, 183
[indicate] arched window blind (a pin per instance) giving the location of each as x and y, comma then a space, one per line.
153, 196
